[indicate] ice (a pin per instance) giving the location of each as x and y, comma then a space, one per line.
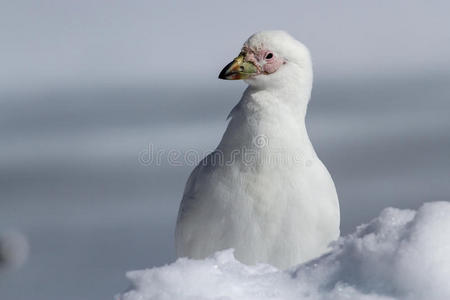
401, 254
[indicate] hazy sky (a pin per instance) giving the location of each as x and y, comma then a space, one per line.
51, 43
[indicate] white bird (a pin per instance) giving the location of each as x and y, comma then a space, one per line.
263, 191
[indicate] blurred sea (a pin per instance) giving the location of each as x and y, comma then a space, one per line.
72, 181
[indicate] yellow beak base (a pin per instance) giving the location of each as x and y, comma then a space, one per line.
238, 69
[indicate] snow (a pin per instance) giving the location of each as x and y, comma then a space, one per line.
401, 254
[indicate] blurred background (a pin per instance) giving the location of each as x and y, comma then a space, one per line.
88, 89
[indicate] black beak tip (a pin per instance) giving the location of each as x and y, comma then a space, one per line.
225, 73
222, 74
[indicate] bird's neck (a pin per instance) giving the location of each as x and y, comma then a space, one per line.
277, 115
289, 99
293, 91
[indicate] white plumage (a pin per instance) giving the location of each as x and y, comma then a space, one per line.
264, 191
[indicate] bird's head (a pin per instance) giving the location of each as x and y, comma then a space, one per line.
270, 58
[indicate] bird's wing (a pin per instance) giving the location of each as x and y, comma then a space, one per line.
191, 190
189, 193
198, 188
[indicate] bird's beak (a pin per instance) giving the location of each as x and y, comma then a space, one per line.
238, 69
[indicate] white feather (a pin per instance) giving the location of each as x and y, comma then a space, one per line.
264, 191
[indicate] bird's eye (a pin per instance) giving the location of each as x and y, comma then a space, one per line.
269, 55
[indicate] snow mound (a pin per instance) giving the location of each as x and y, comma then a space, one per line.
402, 254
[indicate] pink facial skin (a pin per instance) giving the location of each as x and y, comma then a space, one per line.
265, 60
